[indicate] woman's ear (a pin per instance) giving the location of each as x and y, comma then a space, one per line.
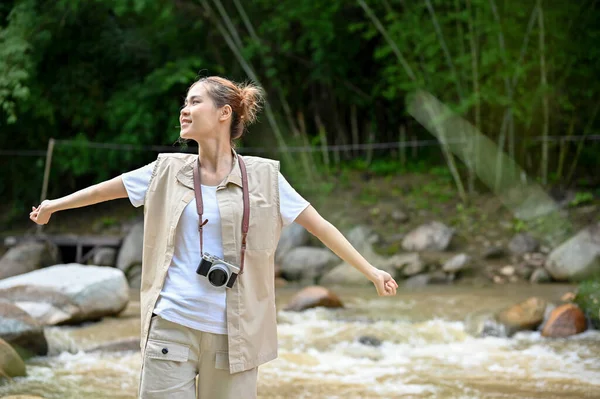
226, 112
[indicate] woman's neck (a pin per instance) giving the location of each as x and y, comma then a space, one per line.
216, 159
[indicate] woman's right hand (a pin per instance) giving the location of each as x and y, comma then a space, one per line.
41, 214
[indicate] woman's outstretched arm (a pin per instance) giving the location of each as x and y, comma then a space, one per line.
334, 240
105, 191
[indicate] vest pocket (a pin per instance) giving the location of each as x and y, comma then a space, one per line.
262, 225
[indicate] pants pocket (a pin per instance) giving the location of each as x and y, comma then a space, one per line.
167, 372
163, 350
222, 360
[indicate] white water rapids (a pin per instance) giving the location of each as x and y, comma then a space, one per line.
426, 351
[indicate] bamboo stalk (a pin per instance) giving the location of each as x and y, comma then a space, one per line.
229, 24
500, 155
523, 51
563, 149
370, 141
415, 146
460, 31
246, 20
446, 150
288, 113
402, 149
544, 83
470, 145
354, 128
475, 79
587, 130
250, 72
323, 140
441, 132
507, 123
305, 157
389, 40
339, 134
442, 41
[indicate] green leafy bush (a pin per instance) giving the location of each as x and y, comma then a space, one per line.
588, 299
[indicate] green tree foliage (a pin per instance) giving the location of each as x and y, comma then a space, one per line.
116, 71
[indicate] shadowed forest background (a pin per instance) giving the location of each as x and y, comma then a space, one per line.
336, 73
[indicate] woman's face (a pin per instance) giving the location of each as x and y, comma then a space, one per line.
199, 117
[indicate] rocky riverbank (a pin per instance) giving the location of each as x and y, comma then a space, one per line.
417, 232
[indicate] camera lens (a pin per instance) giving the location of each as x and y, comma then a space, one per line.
217, 277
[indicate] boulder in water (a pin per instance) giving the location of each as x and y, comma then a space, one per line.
564, 321
46, 305
312, 297
527, 315
95, 290
20, 330
369, 341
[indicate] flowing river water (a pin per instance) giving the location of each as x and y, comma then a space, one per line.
426, 351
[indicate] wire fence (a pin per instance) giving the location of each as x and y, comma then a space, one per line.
263, 150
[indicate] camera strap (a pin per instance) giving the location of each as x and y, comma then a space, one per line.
246, 199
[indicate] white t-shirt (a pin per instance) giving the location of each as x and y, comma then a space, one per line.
186, 297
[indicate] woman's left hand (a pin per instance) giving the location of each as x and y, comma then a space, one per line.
384, 283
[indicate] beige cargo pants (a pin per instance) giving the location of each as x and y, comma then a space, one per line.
182, 363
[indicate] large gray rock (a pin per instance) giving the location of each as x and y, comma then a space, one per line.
344, 274
19, 329
307, 264
46, 305
540, 276
96, 291
526, 315
418, 281
28, 257
523, 243
292, 236
578, 257
409, 263
104, 257
362, 238
456, 263
414, 267
434, 236
130, 253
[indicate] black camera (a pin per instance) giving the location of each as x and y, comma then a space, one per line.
218, 271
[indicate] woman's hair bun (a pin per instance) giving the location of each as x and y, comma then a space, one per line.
251, 102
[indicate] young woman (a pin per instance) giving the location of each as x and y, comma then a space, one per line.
212, 222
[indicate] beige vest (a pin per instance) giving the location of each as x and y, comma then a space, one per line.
251, 316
